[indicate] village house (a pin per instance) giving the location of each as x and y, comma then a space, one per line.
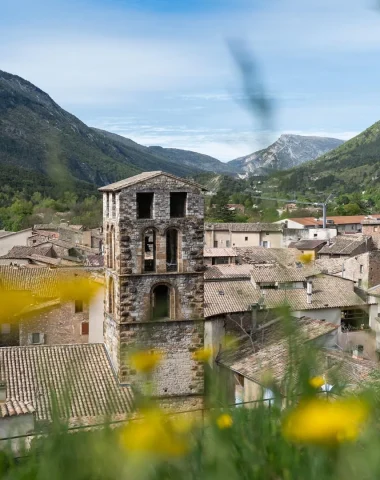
291, 235
218, 256
8, 240
228, 235
48, 320
344, 224
308, 247
346, 246
256, 367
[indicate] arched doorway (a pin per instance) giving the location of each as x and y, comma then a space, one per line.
161, 302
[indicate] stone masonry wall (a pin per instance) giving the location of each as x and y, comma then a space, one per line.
179, 379
60, 325
364, 267
178, 374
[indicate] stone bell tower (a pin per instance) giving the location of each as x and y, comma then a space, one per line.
153, 227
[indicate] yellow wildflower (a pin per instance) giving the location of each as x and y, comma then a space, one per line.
155, 435
146, 360
224, 421
320, 421
203, 354
306, 258
317, 382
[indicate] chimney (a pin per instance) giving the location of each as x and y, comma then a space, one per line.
358, 352
309, 291
3, 391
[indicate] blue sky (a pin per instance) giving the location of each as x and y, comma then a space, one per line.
161, 73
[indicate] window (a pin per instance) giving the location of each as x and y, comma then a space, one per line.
266, 233
36, 338
178, 204
315, 235
111, 295
78, 306
5, 328
215, 243
246, 239
359, 282
172, 250
84, 328
144, 203
149, 251
228, 243
161, 302
219, 260
265, 244
361, 268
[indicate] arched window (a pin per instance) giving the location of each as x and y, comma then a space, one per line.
111, 296
172, 250
112, 248
161, 302
149, 250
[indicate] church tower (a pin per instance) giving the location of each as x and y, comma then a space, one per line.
153, 227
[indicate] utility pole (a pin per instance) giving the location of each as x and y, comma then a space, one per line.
315, 204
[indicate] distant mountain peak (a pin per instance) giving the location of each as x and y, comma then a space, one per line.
288, 151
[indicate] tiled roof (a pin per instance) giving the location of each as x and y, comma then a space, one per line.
329, 265
219, 252
259, 255
79, 375
238, 295
269, 349
12, 407
338, 220
345, 245
374, 290
227, 297
245, 227
348, 369
307, 244
21, 252
228, 271
43, 259
278, 273
142, 177
95, 261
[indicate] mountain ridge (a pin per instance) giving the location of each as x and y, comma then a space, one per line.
286, 152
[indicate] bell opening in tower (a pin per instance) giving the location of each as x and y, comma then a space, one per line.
150, 251
144, 202
172, 250
161, 302
178, 204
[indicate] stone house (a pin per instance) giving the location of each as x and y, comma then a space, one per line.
228, 235
48, 320
256, 367
153, 225
346, 246
363, 269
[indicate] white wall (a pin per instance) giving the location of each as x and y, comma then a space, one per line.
322, 233
96, 317
214, 334
14, 239
331, 315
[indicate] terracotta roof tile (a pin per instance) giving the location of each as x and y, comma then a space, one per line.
79, 375
269, 348
12, 407
245, 227
228, 272
346, 245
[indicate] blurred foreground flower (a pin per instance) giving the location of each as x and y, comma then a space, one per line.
146, 361
203, 354
306, 258
157, 434
316, 382
224, 421
42, 288
324, 422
